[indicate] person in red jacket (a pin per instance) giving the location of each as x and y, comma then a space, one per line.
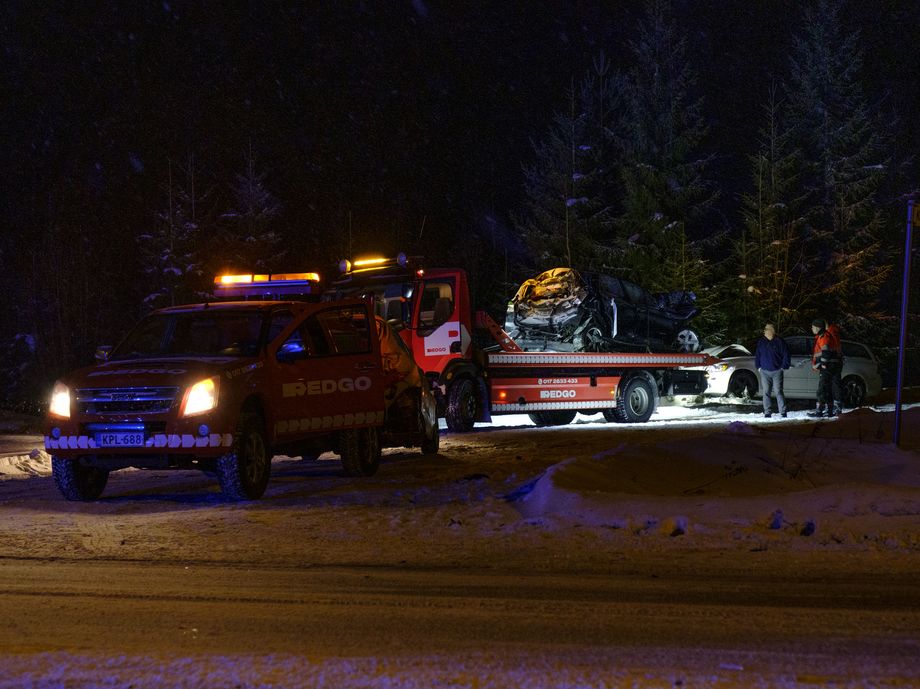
827, 360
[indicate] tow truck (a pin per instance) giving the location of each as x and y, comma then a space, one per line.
223, 385
474, 381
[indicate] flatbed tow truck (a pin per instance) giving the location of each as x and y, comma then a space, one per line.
474, 381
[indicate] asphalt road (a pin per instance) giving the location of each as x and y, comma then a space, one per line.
713, 630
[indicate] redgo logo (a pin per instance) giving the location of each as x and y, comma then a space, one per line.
325, 387
556, 394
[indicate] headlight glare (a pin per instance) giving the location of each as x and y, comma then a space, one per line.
200, 397
60, 401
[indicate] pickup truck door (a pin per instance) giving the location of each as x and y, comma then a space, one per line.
330, 374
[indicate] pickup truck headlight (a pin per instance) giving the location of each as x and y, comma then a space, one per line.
200, 397
60, 401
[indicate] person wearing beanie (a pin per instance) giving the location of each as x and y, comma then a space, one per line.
772, 358
827, 360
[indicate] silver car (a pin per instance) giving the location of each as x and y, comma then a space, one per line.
736, 375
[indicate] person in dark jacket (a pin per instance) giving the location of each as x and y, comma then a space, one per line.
772, 358
827, 360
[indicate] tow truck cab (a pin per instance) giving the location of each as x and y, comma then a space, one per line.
434, 310
222, 386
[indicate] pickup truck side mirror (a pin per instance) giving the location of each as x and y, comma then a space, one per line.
288, 356
103, 352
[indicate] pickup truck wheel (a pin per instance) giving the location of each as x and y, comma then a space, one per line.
359, 449
637, 401
552, 418
428, 422
243, 472
461, 406
77, 482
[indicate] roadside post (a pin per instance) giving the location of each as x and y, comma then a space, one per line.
913, 219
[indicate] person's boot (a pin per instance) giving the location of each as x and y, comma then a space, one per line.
835, 410
818, 413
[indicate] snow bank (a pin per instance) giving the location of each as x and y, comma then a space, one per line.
750, 478
36, 463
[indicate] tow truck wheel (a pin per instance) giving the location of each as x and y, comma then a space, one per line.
76, 481
461, 406
637, 401
243, 472
360, 451
552, 418
614, 415
428, 422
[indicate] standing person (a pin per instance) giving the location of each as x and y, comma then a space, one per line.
772, 358
827, 360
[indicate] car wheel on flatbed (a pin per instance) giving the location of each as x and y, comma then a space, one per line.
359, 449
243, 472
76, 481
688, 341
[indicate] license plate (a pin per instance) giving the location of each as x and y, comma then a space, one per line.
135, 439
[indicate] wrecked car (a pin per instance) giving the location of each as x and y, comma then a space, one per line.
566, 310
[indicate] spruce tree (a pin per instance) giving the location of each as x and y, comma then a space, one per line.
249, 241
844, 146
566, 218
772, 258
665, 195
170, 252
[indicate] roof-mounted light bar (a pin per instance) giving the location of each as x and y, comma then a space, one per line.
372, 262
265, 286
262, 278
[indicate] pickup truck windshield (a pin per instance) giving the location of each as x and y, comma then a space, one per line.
198, 333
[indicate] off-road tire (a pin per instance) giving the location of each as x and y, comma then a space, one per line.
462, 406
854, 392
244, 471
77, 482
359, 449
561, 417
635, 401
428, 421
742, 384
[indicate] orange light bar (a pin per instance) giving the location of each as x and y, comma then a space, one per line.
259, 277
313, 277
366, 262
232, 279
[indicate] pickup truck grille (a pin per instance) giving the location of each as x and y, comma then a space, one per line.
151, 400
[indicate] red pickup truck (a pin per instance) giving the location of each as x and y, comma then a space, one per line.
221, 387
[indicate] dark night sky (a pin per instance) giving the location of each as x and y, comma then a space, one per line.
385, 112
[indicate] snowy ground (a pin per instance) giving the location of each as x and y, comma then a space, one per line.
714, 488
716, 478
